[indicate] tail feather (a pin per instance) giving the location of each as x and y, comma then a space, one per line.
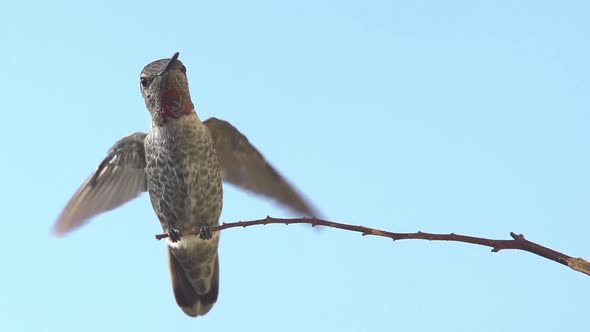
191, 302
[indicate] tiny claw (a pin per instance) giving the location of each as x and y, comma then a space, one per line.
174, 235
205, 233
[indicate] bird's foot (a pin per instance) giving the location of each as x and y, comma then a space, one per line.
205, 233
174, 235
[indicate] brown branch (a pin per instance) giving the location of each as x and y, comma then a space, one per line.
518, 241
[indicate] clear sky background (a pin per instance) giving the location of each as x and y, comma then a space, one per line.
440, 116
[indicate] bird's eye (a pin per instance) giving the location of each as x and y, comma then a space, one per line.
145, 82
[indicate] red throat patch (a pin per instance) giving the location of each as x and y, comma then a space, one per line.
175, 104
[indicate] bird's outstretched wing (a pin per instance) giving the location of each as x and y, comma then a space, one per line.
119, 178
242, 165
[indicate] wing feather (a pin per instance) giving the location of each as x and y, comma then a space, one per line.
244, 166
119, 178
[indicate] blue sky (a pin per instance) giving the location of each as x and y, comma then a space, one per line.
456, 116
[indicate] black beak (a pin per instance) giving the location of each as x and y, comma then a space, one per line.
170, 63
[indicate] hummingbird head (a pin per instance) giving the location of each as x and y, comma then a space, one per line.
164, 87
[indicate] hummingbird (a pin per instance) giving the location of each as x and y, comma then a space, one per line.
181, 163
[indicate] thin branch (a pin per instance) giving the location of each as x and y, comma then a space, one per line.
518, 241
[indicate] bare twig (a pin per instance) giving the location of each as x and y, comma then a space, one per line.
518, 241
